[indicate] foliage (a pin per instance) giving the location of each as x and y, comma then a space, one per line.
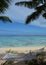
37, 62
4, 4
38, 5
5, 18
11, 51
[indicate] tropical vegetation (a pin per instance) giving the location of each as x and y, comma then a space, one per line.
38, 5
4, 4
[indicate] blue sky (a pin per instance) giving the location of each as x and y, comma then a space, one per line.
18, 27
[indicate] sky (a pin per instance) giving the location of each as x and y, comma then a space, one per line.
18, 15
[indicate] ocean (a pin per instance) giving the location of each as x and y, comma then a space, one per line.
19, 41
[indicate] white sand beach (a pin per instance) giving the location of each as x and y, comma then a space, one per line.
22, 49
19, 50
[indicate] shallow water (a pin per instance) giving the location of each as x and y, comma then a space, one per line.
18, 41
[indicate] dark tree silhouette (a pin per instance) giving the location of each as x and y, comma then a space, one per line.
38, 5
4, 4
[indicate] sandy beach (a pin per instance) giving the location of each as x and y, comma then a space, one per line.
22, 49
19, 50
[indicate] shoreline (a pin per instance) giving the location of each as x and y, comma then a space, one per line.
22, 49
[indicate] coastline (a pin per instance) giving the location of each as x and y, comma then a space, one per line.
22, 49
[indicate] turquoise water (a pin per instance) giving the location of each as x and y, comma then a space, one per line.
18, 41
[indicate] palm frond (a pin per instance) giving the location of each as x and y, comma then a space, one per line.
33, 16
5, 19
4, 4
44, 15
29, 4
42, 7
38, 5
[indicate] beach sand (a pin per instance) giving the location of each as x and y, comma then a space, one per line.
20, 50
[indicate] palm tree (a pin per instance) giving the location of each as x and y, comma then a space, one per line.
4, 4
38, 5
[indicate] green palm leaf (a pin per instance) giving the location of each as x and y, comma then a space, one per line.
38, 5
44, 15
5, 19
29, 4
4, 4
33, 16
42, 7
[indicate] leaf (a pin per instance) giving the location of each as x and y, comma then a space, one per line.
41, 8
4, 4
38, 5
29, 4
33, 16
44, 15
5, 18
